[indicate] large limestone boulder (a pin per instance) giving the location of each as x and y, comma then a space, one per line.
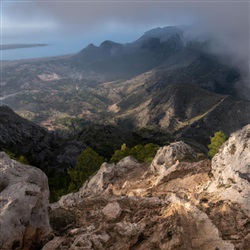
169, 155
231, 170
24, 194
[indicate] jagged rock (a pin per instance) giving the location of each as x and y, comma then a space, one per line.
169, 155
176, 206
108, 174
231, 170
183, 169
24, 222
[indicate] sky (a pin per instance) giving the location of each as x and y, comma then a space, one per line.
78, 23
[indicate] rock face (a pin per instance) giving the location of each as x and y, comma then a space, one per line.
231, 170
24, 194
109, 172
172, 204
168, 155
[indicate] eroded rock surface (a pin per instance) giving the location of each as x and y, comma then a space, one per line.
175, 203
231, 170
24, 193
168, 155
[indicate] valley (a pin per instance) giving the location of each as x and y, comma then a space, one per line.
114, 82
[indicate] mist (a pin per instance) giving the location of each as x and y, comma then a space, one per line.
226, 23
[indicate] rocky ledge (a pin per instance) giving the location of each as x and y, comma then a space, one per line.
175, 203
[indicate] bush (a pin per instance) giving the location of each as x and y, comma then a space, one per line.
120, 153
142, 153
88, 163
17, 157
215, 143
58, 185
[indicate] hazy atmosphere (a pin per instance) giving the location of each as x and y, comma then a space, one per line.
74, 24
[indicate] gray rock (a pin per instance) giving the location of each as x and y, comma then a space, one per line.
231, 168
108, 174
112, 210
169, 155
24, 205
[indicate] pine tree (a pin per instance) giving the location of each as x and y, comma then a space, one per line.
215, 143
88, 163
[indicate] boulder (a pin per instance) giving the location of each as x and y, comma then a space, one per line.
169, 155
24, 201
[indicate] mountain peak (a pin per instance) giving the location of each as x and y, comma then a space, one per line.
162, 33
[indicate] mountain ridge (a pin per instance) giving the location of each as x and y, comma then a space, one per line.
158, 81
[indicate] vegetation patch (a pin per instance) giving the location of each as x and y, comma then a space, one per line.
215, 143
143, 153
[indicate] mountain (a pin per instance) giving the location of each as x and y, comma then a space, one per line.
174, 59
43, 149
113, 60
163, 88
52, 151
184, 110
163, 82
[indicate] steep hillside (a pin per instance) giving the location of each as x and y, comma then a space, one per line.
42, 149
184, 110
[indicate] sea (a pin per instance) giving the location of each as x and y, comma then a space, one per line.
57, 49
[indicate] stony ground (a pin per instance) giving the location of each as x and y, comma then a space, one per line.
131, 206
177, 202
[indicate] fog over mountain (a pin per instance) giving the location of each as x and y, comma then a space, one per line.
226, 23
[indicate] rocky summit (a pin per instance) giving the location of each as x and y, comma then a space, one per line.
24, 201
188, 204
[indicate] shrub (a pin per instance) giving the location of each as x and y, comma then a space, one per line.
88, 163
120, 153
215, 143
143, 153
58, 185
17, 157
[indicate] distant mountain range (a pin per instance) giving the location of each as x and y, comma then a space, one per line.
164, 83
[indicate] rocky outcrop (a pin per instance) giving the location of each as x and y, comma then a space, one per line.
24, 193
177, 203
169, 155
231, 170
110, 174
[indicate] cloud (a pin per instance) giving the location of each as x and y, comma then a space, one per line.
125, 21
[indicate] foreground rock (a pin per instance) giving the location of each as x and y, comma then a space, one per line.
231, 170
168, 155
175, 203
24, 194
